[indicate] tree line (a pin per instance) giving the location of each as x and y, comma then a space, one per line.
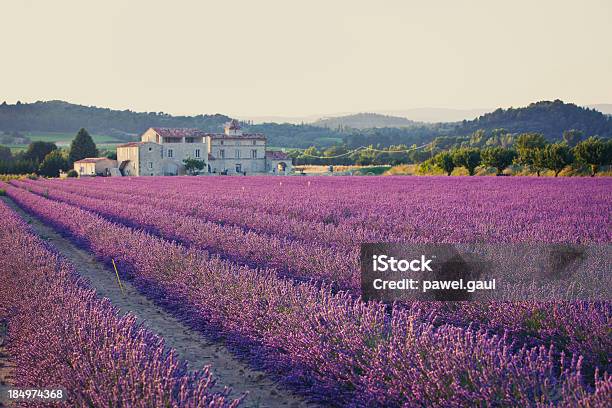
372, 155
532, 151
497, 148
45, 158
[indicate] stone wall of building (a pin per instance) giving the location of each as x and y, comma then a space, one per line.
85, 169
230, 152
150, 160
130, 155
180, 151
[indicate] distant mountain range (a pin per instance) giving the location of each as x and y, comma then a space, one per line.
437, 115
392, 118
364, 121
429, 115
548, 117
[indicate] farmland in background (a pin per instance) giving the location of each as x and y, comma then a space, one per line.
63, 140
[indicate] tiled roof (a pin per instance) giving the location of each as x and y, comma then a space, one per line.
179, 132
276, 155
242, 136
92, 159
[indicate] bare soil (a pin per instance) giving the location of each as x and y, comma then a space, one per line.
191, 346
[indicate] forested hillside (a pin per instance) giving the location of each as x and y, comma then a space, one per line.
549, 118
364, 121
59, 116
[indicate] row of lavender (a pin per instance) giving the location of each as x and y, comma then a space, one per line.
338, 348
577, 328
62, 335
547, 211
290, 258
425, 209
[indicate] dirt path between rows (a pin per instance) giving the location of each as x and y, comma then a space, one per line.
190, 345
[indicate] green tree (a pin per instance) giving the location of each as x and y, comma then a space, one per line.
444, 160
468, 158
529, 151
193, 165
37, 151
306, 156
501, 138
556, 157
82, 146
365, 157
53, 163
478, 138
572, 137
5, 154
592, 152
529, 141
498, 157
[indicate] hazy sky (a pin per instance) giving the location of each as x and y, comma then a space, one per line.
265, 57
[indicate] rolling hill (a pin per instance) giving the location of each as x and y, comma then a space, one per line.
60, 116
57, 117
550, 118
364, 121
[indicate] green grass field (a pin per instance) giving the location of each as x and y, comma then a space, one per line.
62, 140
65, 138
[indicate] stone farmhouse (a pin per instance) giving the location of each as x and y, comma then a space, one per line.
95, 166
161, 152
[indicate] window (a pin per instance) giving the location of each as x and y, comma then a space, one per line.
222, 143
197, 153
170, 153
222, 154
150, 149
150, 165
189, 140
254, 142
237, 153
254, 153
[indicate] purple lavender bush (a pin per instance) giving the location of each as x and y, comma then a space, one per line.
61, 335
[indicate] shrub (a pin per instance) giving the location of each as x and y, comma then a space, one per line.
468, 158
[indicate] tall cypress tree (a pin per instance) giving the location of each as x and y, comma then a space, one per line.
82, 146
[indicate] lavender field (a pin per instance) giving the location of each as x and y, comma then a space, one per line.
61, 335
270, 266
